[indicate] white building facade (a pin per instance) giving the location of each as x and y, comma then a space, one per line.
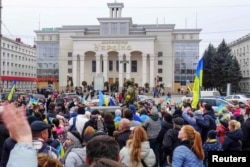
18, 63
240, 48
118, 50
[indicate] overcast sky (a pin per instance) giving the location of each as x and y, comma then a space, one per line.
218, 19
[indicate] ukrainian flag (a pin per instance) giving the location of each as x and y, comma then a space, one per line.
10, 95
167, 99
197, 83
33, 101
101, 98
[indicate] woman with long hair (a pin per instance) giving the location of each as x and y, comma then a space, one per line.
74, 151
190, 151
140, 153
233, 139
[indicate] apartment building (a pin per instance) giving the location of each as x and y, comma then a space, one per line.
18, 63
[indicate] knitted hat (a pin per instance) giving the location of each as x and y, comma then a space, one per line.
211, 134
118, 112
179, 121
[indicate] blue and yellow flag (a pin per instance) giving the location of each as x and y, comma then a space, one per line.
167, 99
180, 103
33, 101
220, 109
111, 102
197, 83
84, 101
13, 88
101, 98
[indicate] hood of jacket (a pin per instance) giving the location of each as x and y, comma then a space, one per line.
211, 113
235, 134
81, 152
145, 149
154, 117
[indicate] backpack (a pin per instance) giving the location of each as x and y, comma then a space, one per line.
73, 127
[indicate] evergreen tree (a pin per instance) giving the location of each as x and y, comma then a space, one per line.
225, 68
208, 56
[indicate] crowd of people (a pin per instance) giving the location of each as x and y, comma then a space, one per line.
140, 134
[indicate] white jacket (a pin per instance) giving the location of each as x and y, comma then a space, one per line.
147, 154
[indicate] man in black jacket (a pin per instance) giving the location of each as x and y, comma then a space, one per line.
170, 141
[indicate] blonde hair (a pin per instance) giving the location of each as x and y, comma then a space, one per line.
137, 136
44, 160
195, 139
234, 124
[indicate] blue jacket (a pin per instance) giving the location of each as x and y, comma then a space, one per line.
192, 120
185, 157
23, 155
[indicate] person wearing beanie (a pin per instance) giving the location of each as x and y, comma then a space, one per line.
74, 151
117, 119
153, 127
132, 108
211, 144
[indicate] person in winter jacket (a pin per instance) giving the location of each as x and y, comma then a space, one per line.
192, 117
137, 150
246, 135
208, 123
211, 145
222, 127
153, 127
189, 152
233, 140
171, 141
74, 151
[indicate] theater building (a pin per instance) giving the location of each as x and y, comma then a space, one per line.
118, 49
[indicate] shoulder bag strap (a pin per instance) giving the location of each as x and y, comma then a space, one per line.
143, 163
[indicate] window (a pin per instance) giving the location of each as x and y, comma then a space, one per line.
110, 65
124, 67
123, 28
69, 70
133, 66
114, 28
93, 66
160, 54
117, 65
159, 62
70, 62
69, 54
160, 70
105, 28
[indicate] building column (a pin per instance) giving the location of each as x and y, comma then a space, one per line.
105, 67
74, 72
144, 69
128, 66
98, 64
82, 64
120, 71
151, 76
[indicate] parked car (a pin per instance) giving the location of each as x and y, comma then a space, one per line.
67, 97
240, 98
215, 102
205, 93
